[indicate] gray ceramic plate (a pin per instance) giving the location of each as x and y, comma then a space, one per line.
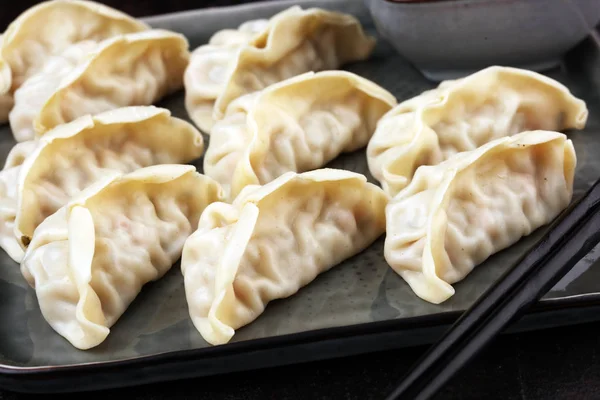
360, 305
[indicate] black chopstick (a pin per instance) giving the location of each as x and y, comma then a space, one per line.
572, 235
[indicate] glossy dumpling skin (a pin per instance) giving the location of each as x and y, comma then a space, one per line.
6, 99
5, 80
464, 114
9, 176
262, 53
127, 70
88, 261
298, 125
31, 96
273, 240
49, 28
41, 176
454, 215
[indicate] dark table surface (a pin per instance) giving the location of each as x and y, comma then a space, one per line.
560, 363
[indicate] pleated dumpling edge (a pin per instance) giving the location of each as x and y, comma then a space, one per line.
76, 154
454, 215
88, 261
273, 240
463, 114
263, 52
299, 124
48, 28
150, 66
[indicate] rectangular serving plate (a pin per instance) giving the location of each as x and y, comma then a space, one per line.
359, 306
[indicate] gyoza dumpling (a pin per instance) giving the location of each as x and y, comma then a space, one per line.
296, 125
30, 98
9, 177
5, 78
273, 240
49, 28
454, 215
464, 114
6, 100
133, 69
90, 259
41, 176
263, 52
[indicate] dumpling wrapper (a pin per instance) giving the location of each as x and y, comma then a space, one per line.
31, 96
49, 28
127, 70
296, 125
41, 176
463, 114
263, 52
454, 215
6, 100
90, 259
9, 176
273, 240
5, 80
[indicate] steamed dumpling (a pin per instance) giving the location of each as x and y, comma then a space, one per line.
88, 261
296, 125
454, 215
5, 79
263, 52
49, 28
29, 99
9, 177
41, 176
234, 38
273, 240
6, 99
127, 70
464, 114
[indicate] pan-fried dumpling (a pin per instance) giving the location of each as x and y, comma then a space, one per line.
273, 240
41, 176
296, 125
262, 53
90, 259
127, 70
464, 114
454, 215
49, 28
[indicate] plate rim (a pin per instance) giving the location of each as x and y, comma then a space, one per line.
435, 320
316, 335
